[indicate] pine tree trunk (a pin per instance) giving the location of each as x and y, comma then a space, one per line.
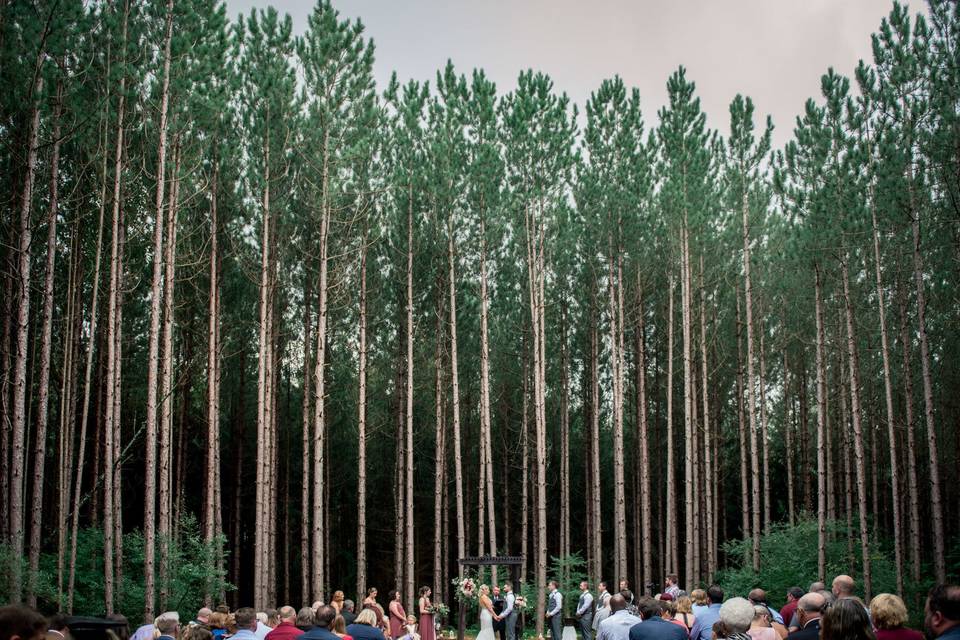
822, 442
853, 361
525, 472
564, 440
788, 428
936, 502
710, 520
595, 494
46, 332
263, 398
619, 497
646, 522
670, 508
888, 397
765, 440
409, 568
117, 396
149, 517
689, 445
751, 390
455, 391
485, 427
912, 483
212, 506
440, 457
362, 430
742, 432
20, 383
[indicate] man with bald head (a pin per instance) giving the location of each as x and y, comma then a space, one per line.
287, 628
843, 587
809, 609
617, 625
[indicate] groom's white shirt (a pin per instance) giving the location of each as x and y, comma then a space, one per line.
586, 601
556, 600
508, 608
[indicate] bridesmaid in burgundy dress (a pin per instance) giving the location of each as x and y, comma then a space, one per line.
427, 626
398, 617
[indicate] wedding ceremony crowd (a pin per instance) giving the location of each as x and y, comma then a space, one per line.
817, 613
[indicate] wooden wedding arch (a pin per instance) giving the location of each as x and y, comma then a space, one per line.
512, 562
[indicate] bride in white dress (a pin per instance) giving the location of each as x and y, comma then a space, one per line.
486, 615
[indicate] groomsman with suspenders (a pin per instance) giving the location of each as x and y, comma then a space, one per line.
585, 612
555, 610
509, 614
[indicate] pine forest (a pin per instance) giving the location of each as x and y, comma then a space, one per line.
270, 330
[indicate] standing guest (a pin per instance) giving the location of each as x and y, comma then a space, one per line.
365, 627
263, 622
703, 627
889, 615
428, 629
286, 628
348, 612
618, 624
246, 620
761, 627
339, 628
671, 586
168, 625
322, 624
398, 617
603, 606
555, 610
509, 613
631, 607
625, 586
655, 626
585, 611
337, 601
18, 622
846, 619
809, 609
942, 612
305, 619
844, 588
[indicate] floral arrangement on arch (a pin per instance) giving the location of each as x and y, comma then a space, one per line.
440, 610
466, 589
520, 604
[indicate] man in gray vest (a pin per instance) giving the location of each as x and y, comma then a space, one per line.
585, 612
555, 610
509, 613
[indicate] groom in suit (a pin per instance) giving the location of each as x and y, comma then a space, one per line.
509, 613
555, 610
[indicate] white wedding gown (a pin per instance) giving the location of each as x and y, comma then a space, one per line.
486, 625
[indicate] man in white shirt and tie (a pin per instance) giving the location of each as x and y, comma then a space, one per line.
555, 610
585, 612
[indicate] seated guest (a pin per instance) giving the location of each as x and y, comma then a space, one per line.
760, 628
217, 621
322, 623
57, 628
339, 628
653, 626
168, 625
18, 622
889, 615
196, 632
703, 627
700, 602
809, 609
365, 627
668, 612
618, 624
942, 612
246, 622
736, 614
286, 629
846, 619
348, 612
759, 597
684, 612
305, 619
786, 612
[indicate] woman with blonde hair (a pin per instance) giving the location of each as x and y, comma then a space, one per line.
684, 612
889, 615
760, 628
337, 602
365, 627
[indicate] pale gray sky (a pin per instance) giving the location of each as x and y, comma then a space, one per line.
772, 50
